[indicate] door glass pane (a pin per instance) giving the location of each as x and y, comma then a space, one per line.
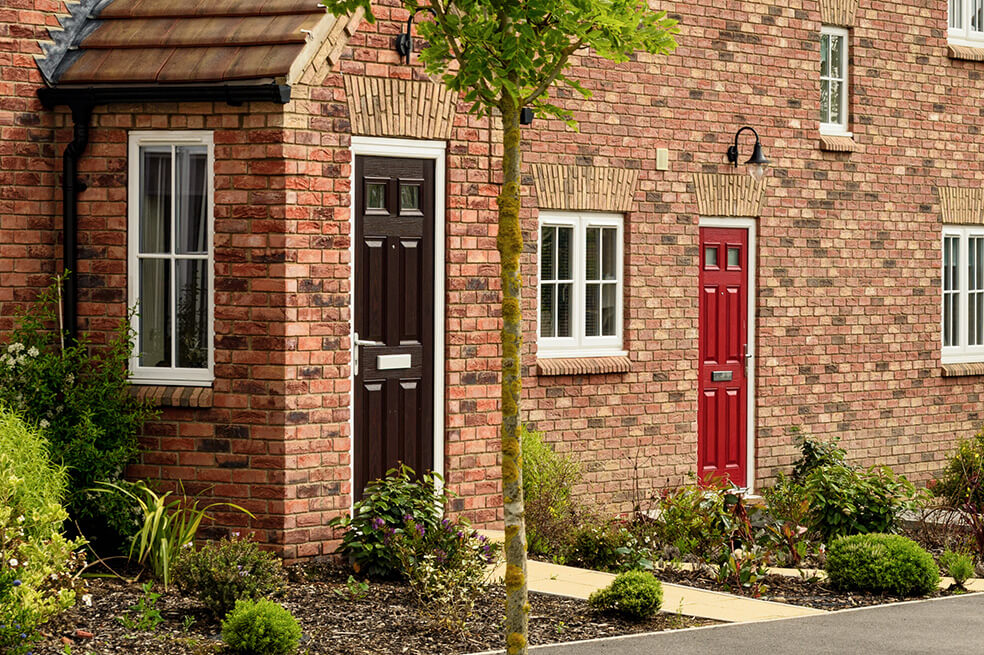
824, 55
409, 197
564, 310
710, 256
608, 310
192, 313
155, 200
734, 257
191, 193
375, 195
547, 310
155, 313
591, 309
565, 237
609, 249
836, 56
592, 266
548, 252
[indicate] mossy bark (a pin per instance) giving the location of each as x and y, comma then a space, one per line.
510, 245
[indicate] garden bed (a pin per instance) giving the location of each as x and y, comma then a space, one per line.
384, 620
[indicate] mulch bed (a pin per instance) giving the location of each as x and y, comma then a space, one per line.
783, 589
385, 620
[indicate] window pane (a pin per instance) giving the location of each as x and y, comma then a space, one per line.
592, 266
710, 257
192, 199
155, 200
547, 310
375, 195
192, 313
609, 251
155, 313
565, 236
956, 15
950, 258
409, 197
836, 56
835, 102
591, 307
825, 55
608, 309
734, 257
564, 310
548, 252
948, 325
824, 101
977, 15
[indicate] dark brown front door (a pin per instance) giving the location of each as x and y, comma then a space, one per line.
394, 316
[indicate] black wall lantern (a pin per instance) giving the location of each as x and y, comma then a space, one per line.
757, 162
526, 116
404, 42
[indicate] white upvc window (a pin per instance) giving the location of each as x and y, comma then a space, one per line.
966, 22
963, 294
834, 80
580, 287
170, 257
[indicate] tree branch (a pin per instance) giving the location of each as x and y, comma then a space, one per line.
553, 73
440, 13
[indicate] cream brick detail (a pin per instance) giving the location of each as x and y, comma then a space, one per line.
961, 206
583, 366
965, 52
729, 195
324, 47
838, 12
399, 108
584, 187
961, 370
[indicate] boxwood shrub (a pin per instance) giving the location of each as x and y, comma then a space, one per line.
881, 563
633, 594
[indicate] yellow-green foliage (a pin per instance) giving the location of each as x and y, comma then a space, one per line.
37, 562
633, 594
881, 563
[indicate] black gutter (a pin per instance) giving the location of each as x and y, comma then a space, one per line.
82, 101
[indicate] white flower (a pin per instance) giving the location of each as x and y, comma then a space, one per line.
32, 351
13, 562
738, 553
15, 347
87, 599
44, 424
70, 378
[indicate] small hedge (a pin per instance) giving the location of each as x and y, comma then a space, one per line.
261, 628
633, 594
881, 563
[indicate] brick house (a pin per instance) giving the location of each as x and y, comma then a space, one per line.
270, 183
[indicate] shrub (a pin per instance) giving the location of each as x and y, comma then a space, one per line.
548, 482
962, 481
223, 572
37, 563
846, 501
958, 566
261, 628
690, 519
81, 400
612, 546
787, 501
448, 568
381, 512
633, 594
814, 454
881, 563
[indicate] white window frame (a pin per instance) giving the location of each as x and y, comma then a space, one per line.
963, 34
840, 128
579, 345
961, 353
170, 376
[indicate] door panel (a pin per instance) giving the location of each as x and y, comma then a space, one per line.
723, 377
394, 317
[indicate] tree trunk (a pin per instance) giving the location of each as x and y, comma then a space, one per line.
510, 245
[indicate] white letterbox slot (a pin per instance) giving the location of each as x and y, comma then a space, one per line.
392, 362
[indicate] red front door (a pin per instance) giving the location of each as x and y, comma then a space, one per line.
723, 387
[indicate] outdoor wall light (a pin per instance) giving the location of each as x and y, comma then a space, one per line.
757, 162
404, 42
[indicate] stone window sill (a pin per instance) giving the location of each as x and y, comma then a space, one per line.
961, 370
837, 143
970, 53
582, 365
162, 396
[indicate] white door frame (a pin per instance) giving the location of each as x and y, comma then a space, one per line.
750, 225
406, 149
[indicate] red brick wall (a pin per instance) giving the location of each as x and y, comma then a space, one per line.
848, 252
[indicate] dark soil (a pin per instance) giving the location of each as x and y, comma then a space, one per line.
783, 589
385, 620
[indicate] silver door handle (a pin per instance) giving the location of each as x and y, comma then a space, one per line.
356, 343
748, 356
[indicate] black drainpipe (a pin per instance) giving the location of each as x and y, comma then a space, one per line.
71, 187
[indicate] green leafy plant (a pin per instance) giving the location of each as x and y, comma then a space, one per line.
548, 483
962, 480
448, 567
168, 526
958, 566
144, 616
38, 564
261, 628
383, 509
743, 563
846, 501
354, 589
79, 395
881, 563
689, 519
633, 594
223, 572
814, 454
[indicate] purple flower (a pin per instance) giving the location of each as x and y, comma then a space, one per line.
460, 534
407, 518
378, 523
420, 530
17, 583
